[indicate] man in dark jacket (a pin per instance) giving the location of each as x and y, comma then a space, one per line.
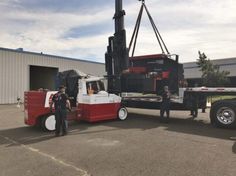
61, 103
165, 105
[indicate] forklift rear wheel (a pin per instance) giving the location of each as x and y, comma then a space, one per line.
122, 113
49, 122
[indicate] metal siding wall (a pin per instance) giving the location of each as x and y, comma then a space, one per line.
2, 72
12, 80
191, 73
14, 71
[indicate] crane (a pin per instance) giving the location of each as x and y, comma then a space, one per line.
147, 73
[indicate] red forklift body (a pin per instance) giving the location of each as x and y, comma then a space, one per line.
34, 106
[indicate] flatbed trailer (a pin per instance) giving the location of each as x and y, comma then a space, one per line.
222, 112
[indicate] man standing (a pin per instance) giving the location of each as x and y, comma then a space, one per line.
165, 105
61, 102
194, 105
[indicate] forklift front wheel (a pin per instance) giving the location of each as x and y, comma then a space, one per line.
122, 113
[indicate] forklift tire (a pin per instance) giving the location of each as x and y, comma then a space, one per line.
223, 114
122, 113
48, 122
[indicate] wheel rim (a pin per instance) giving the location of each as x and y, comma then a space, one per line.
50, 123
122, 114
225, 115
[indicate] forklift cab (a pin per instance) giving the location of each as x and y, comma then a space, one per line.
90, 86
94, 87
96, 104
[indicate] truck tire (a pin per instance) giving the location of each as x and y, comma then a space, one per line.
48, 122
122, 113
223, 114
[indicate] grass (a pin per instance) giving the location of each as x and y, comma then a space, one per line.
219, 97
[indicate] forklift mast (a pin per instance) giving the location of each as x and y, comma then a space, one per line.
116, 57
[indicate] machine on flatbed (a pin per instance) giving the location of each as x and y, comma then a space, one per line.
140, 79
142, 74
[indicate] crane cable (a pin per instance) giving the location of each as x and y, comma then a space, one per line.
136, 31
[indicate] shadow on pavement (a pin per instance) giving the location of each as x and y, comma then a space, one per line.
145, 122
30, 135
186, 126
23, 135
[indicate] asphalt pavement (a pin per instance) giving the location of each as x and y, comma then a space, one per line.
138, 146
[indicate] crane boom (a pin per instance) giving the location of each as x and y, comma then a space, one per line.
117, 53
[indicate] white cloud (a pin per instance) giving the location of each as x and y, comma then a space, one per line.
192, 25
186, 27
45, 32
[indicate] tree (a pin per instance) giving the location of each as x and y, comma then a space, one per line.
211, 74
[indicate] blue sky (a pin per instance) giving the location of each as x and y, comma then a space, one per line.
80, 29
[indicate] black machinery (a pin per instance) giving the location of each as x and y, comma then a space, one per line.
142, 74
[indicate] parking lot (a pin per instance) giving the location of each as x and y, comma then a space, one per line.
141, 145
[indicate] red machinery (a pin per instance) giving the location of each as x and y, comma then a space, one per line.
140, 74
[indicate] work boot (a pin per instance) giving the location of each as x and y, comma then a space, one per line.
64, 133
161, 119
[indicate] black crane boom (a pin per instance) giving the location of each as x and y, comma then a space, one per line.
117, 53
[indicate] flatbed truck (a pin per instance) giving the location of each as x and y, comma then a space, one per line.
140, 79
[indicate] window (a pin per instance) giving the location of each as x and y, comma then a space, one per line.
95, 86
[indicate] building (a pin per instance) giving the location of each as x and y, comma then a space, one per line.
193, 75
22, 71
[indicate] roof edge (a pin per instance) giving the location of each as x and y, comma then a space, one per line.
49, 55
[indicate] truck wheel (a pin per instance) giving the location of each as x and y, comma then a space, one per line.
49, 122
223, 114
122, 113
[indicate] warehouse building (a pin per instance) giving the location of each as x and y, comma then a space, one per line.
193, 75
22, 71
